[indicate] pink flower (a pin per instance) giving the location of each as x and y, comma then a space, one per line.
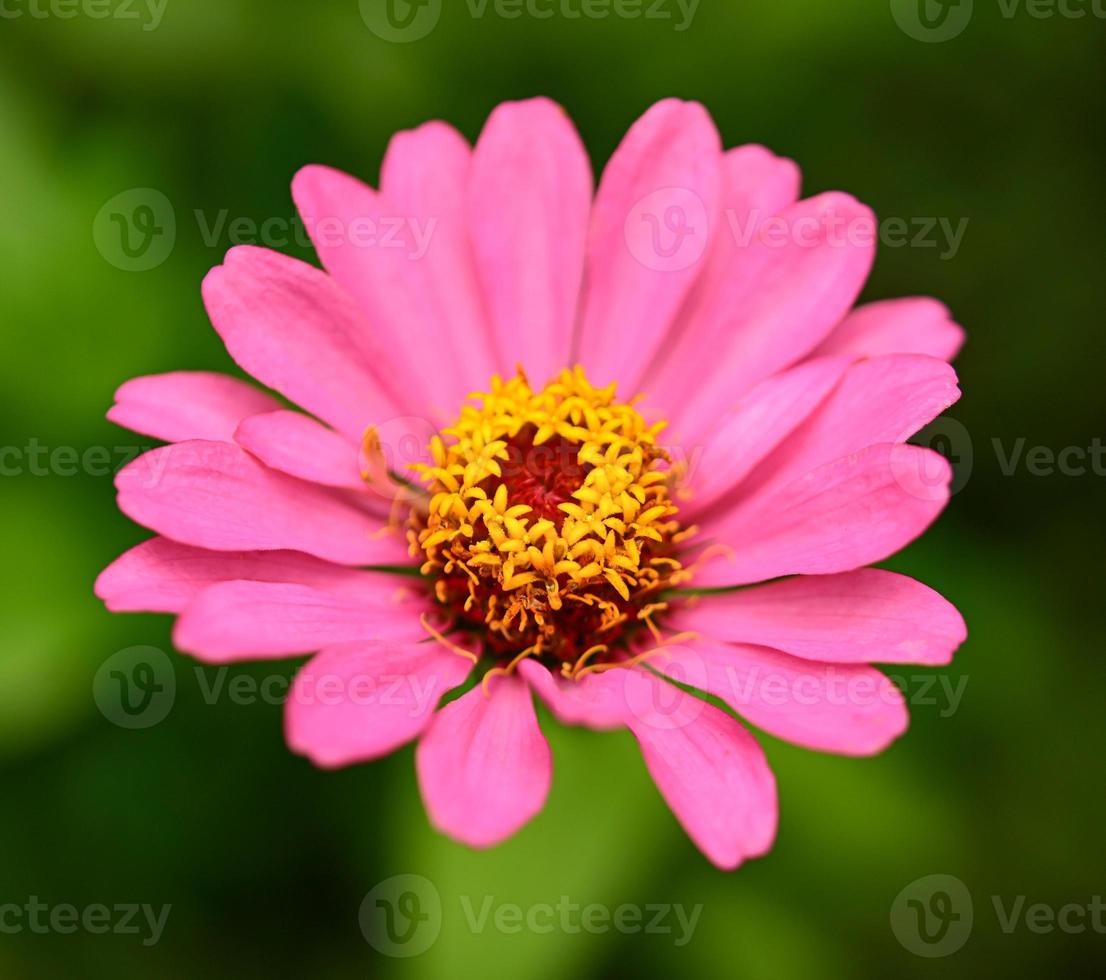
555, 536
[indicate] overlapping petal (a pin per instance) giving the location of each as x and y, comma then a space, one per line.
403, 254
249, 620
915, 325
294, 329
710, 770
654, 217
864, 616
528, 204
359, 701
185, 405
296, 444
484, 766
759, 422
216, 495
788, 286
878, 400
849, 709
843, 515
161, 575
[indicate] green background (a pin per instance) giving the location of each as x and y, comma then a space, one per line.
265, 860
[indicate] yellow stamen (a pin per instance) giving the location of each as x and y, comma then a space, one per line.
661, 649
510, 668
594, 523
446, 642
611, 665
590, 651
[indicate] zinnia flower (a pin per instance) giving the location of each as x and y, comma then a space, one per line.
551, 444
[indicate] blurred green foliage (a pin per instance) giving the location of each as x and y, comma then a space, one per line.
264, 859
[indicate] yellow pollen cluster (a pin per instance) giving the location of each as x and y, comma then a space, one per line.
543, 500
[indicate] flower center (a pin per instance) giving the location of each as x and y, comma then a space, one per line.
549, 525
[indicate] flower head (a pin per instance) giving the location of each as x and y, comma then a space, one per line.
549, 524
561, 445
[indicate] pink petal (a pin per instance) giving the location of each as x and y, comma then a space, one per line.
425, 176
787, 288
187, 405
342, 216
297, 445
709, 769
879, 400
360, 701
409, 267
484, 766
848, 709
239, 620
216, 495
756, 184
760, 421
848, 513
529, 201
597, 701
899, 326
160, 575
293, 329
668, 165
865, 616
